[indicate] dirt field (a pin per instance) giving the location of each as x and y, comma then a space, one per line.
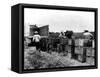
35, 60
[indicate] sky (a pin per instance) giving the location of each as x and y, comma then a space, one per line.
59, 20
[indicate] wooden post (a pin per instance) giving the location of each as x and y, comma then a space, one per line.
73, 48
84, 55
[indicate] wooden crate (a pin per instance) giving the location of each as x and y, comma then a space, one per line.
90, 60
90, 52
76, 42
79, 50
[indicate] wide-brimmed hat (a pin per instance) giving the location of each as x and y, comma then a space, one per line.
36, 32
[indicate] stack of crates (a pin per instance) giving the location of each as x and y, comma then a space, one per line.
80, 49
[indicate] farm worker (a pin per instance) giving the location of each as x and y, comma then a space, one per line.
87, 35
62, 45
36, 40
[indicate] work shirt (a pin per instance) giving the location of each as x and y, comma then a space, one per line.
36, 38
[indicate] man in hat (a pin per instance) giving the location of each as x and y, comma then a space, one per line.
88, 36
36, 39
87, 43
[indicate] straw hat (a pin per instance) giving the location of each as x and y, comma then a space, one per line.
36, 32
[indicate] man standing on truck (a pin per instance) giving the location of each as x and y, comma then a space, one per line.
36, 40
